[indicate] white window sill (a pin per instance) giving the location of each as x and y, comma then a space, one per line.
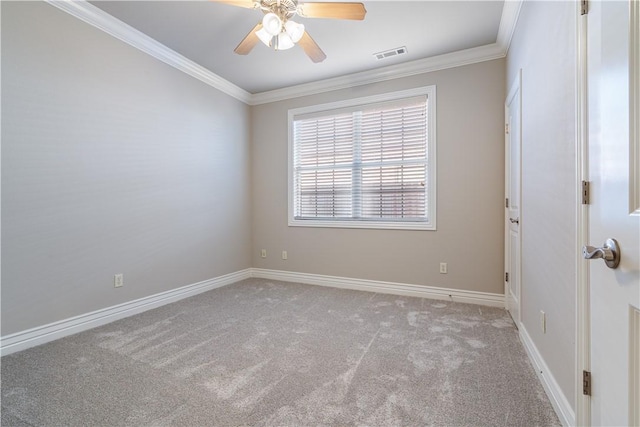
384, 225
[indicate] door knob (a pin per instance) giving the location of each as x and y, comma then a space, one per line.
610, 253
514, 220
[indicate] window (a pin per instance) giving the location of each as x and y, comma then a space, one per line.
364, 163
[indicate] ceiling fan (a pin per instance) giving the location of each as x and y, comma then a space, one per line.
278, 31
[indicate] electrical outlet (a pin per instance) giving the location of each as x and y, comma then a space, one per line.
543, 322
284, 254
118, 280
263, 253
443, 268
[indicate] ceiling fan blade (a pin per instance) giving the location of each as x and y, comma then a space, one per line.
249, 4
248, 42
311, 48
332, 10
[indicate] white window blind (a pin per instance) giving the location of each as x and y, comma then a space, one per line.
362, 163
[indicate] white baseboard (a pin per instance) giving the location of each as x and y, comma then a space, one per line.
471, 297
551, 387
53, 331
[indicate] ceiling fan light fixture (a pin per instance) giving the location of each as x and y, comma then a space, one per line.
264, 36
294, 30
272, 24
283, 42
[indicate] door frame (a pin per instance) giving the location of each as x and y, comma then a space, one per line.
583, 303
634, 106
515, 88
634, 190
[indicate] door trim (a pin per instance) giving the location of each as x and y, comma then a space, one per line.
516, 87
634, 365
583, 304
634, 107
634, 197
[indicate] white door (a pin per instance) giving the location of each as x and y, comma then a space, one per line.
512, 200
614, 293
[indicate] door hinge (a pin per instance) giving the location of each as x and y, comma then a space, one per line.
585, 192
586, 383
584, 7
506, 202
506, 277
506, 128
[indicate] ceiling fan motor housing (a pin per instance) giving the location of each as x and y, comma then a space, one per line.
285, 9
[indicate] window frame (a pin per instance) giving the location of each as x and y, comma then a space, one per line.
329, 108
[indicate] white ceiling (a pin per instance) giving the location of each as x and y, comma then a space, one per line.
206, 32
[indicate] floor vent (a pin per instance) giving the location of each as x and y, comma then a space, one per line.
389, 53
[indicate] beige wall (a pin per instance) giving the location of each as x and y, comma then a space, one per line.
112, 162
544, 47
470, 144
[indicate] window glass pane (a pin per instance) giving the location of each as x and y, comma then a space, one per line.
324, 193
325, 141
397, 134
394, 192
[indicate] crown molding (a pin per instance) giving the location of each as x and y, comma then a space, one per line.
508, 22
101, 20
98, 18
434, 63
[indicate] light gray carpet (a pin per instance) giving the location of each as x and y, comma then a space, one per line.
271, 353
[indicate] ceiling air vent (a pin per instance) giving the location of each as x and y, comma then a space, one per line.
389, 53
